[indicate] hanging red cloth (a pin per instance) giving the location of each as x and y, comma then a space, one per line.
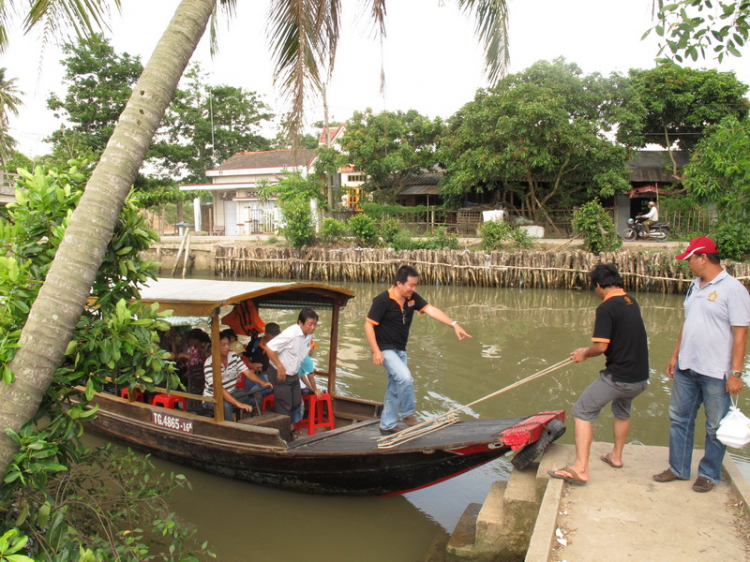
244, 320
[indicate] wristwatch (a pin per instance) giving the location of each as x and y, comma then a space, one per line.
454, 322
737, 374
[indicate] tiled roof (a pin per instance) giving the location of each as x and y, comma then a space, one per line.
334, 133
269, 159
655, 165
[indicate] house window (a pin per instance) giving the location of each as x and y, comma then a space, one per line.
356, 177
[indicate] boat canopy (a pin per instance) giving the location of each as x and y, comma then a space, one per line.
204, 297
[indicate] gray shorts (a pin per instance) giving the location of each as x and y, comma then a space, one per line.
604, 390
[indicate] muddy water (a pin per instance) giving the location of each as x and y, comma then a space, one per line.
516, 333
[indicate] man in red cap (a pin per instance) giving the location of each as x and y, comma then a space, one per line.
706, 364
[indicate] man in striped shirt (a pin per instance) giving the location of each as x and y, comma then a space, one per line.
232, 368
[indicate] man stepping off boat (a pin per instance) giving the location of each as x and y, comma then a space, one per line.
387, 330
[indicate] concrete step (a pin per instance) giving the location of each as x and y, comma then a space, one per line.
460, 546
507, 517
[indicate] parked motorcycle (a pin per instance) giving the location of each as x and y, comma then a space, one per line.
636, 230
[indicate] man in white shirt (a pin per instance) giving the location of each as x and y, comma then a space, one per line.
286, 353
651, 217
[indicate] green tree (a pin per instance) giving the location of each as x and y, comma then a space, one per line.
327, 162
304, 37
204, 125
391, 145
596, 226
9, 103
690, 28
114, 341
679, 103
538, 138
99, 82
719, 169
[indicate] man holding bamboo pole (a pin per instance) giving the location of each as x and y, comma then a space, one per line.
387, 330
619, 333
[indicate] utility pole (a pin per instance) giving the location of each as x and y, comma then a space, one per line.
329, 180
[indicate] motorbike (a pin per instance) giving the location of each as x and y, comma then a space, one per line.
636, 230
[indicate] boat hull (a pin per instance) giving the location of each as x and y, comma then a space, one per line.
345, 461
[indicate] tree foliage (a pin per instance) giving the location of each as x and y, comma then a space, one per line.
391, 145
692, 29
9, 104
115, 342
596, 226
719, 168
204, 125
364, 229
99, 82
538, 138
679, 103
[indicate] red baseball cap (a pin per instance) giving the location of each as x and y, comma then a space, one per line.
700, 245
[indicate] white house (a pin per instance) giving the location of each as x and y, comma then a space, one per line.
237, 207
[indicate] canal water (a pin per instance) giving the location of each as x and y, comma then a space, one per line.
516, 333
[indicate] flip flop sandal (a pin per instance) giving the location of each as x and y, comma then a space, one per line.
572, 479
609, 462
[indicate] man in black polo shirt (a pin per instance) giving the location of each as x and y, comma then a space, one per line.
619, 333
387, 331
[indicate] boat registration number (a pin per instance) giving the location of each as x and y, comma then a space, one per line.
172, 422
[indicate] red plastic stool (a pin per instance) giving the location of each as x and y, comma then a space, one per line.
124, 393
319, 413
169, 401
268, 402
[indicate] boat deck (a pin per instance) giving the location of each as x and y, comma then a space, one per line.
356, 437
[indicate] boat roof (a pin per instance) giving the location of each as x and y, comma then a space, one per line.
203, 297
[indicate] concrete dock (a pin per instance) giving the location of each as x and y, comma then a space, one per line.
624, 515
620, 515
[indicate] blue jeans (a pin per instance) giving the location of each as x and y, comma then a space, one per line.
399, 394
689, 390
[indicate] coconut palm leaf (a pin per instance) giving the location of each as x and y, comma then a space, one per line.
57, 16
491, 27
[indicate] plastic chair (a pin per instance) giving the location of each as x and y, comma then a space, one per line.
268, 402
125, 393
170, 401
319, 413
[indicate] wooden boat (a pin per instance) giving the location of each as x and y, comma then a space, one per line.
347, 460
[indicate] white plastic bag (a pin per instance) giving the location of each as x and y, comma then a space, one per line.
734, 428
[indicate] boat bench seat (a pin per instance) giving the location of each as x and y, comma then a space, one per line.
272, 420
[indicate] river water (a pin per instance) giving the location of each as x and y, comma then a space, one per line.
516, 333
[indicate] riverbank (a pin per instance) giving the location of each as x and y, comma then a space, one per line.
554, 264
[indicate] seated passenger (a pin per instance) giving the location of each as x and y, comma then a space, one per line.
232, 368
257, 357
191, 350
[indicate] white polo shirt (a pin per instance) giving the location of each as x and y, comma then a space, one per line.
292, 346
710, 313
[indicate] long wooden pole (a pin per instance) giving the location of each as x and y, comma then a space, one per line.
216, 368
333, 354
179, 253
187, 253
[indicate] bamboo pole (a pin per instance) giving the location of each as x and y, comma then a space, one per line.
187, 253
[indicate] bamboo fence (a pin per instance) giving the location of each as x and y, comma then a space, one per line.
642, 271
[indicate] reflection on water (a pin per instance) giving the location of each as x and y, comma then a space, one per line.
516, 333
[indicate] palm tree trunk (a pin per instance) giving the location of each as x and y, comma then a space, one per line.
61, 299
